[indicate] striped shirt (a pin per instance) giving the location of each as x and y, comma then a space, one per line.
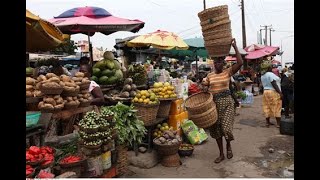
218, 82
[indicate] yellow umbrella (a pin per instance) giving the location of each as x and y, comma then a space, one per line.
41, 34
160, 40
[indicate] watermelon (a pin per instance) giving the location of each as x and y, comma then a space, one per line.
107, 72
119, 74
96, 72
112, 80
103, 80
95, 79
101, 65
117, 65
110, 64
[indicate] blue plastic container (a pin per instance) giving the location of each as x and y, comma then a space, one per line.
32, 118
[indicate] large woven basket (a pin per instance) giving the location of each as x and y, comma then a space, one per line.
206, 119
51, 91
218, 50
122, 159
85, 104
199, 103
217, 29
147, 112
164, 108
70, 93
214, 20
221, 35
212, 27
165, 149
171, 160
213, 12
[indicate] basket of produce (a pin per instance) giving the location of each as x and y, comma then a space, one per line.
30, 171
186, 149
67, 93
90, 129
122, 159
85, 103
50, 84
32, 118
34, 156
168, 143
51, 104
93, 144
85, 85
48, 89
72, 163
71, 102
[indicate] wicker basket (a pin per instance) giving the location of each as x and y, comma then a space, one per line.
199, 103
218, 42
206, 119
51, 91
147, 112
85, 86
218, 50
164, 108
213, 12
217, 29
122, 159
214, 20
85, 104
55, 110
68, 106
221, 35
165, 149
70, 93
171, 160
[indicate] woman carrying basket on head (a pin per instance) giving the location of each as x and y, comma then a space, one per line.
218, 83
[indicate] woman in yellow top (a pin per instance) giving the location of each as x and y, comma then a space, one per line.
218, 83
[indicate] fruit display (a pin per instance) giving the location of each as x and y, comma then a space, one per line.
84, 96
95, 129
68, 84
164, 90
138, 73
79, 79
107, 71
145, 97
29, 170
51, 103
71, 102
158, 132
42, 156
168, 137
45, 175
129, 89
31, 89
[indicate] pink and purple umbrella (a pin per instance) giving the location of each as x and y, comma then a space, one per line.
89, 20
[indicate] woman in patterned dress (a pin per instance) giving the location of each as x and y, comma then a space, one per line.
218, 83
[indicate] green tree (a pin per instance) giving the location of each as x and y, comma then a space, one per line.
67, 47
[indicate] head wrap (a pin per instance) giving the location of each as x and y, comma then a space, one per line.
264, 66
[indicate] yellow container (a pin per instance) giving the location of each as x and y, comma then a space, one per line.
176, 120
176, 107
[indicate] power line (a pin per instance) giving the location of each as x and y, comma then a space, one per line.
188, 29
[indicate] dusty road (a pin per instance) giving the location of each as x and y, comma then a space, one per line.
250, 148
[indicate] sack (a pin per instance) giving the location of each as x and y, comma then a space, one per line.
193, 133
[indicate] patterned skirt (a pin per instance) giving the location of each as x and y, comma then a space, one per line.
226, 113
271, 103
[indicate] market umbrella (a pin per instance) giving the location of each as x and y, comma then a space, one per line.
256, 51
89, 20
160, 40
41, 35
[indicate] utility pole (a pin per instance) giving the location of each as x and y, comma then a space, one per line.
261, 36
266, 33
244, 38
270, 34
204, 4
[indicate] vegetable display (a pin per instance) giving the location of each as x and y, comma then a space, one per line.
70, 159
146, 97
32, 90
168, 137
130, 128
138, 73
51, 102
164, 90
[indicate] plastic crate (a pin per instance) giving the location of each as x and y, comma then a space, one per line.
32, 118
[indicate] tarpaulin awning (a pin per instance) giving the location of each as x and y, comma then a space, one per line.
256, 51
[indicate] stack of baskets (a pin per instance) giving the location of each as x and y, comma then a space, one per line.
168, 154
216, 30
122, 159
202, 109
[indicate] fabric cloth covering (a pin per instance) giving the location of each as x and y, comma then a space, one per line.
271, 103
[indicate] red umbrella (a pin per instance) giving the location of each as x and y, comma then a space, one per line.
256, 51
88, 20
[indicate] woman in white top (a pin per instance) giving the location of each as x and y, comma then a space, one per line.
94, 88
272, 95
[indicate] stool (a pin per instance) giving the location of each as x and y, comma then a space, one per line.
33, 131
149, 142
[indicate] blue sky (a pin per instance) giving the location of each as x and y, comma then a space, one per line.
180, 16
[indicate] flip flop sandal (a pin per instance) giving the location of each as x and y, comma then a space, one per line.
219, 159
229, 154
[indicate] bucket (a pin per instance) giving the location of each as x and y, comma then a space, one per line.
106, 160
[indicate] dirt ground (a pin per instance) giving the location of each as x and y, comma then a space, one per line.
252, 158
